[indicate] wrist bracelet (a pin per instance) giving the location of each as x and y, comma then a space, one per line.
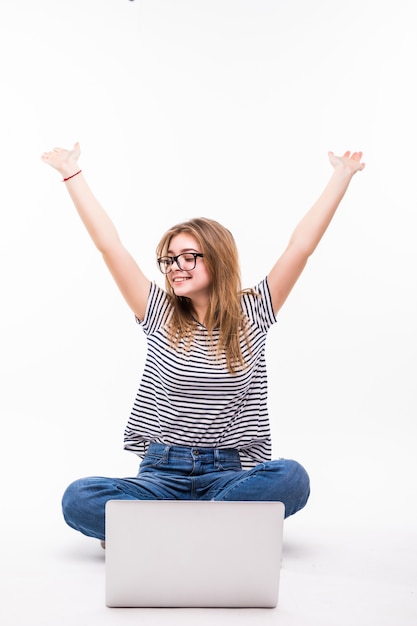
64, 180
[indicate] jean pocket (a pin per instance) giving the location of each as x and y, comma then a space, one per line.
228, 466
151, 462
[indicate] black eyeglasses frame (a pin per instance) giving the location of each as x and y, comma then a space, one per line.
174, 259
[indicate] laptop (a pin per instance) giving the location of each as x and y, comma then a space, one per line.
181, 553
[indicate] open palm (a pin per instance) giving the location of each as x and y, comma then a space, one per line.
62, 159
349, 161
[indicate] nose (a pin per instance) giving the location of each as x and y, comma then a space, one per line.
175, 260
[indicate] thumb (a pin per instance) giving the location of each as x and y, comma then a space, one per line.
76, 150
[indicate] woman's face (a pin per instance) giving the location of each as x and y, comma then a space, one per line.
194, 284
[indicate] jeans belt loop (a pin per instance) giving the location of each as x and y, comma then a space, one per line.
216, 458
165, 455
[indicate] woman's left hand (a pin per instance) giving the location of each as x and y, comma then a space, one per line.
349, 162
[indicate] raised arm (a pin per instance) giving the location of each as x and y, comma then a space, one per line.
132, 283
312, 227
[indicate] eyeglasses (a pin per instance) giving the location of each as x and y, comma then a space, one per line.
185, 261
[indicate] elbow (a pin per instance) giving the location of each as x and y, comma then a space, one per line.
302, 247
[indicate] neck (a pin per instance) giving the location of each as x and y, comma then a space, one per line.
200, 312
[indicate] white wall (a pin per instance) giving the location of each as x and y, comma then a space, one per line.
224, 108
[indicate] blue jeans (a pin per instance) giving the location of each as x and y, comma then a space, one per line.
180, 473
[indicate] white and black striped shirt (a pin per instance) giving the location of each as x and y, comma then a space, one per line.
188, 397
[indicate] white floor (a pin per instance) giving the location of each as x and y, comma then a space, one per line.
332, 575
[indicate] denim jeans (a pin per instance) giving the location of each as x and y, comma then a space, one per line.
180, 473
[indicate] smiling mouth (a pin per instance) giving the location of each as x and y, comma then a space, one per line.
180, 279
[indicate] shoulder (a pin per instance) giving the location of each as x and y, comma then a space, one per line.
257, 304
157, 309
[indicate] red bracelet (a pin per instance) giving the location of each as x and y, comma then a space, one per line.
64, 180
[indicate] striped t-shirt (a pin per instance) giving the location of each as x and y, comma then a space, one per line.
188, 397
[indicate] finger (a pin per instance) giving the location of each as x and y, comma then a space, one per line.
76, 149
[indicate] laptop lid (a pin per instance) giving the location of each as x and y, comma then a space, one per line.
180, 553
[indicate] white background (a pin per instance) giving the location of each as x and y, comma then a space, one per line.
221, 108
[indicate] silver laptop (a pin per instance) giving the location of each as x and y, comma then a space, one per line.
180, 553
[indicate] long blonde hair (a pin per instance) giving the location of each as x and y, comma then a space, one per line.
224, 312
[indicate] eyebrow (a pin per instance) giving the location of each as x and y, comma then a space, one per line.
170, 252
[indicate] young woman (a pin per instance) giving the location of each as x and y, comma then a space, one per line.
200, 420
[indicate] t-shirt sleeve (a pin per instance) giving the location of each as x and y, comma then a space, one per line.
157, 310
257, 305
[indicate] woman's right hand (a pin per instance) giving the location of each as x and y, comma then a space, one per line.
65, 161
